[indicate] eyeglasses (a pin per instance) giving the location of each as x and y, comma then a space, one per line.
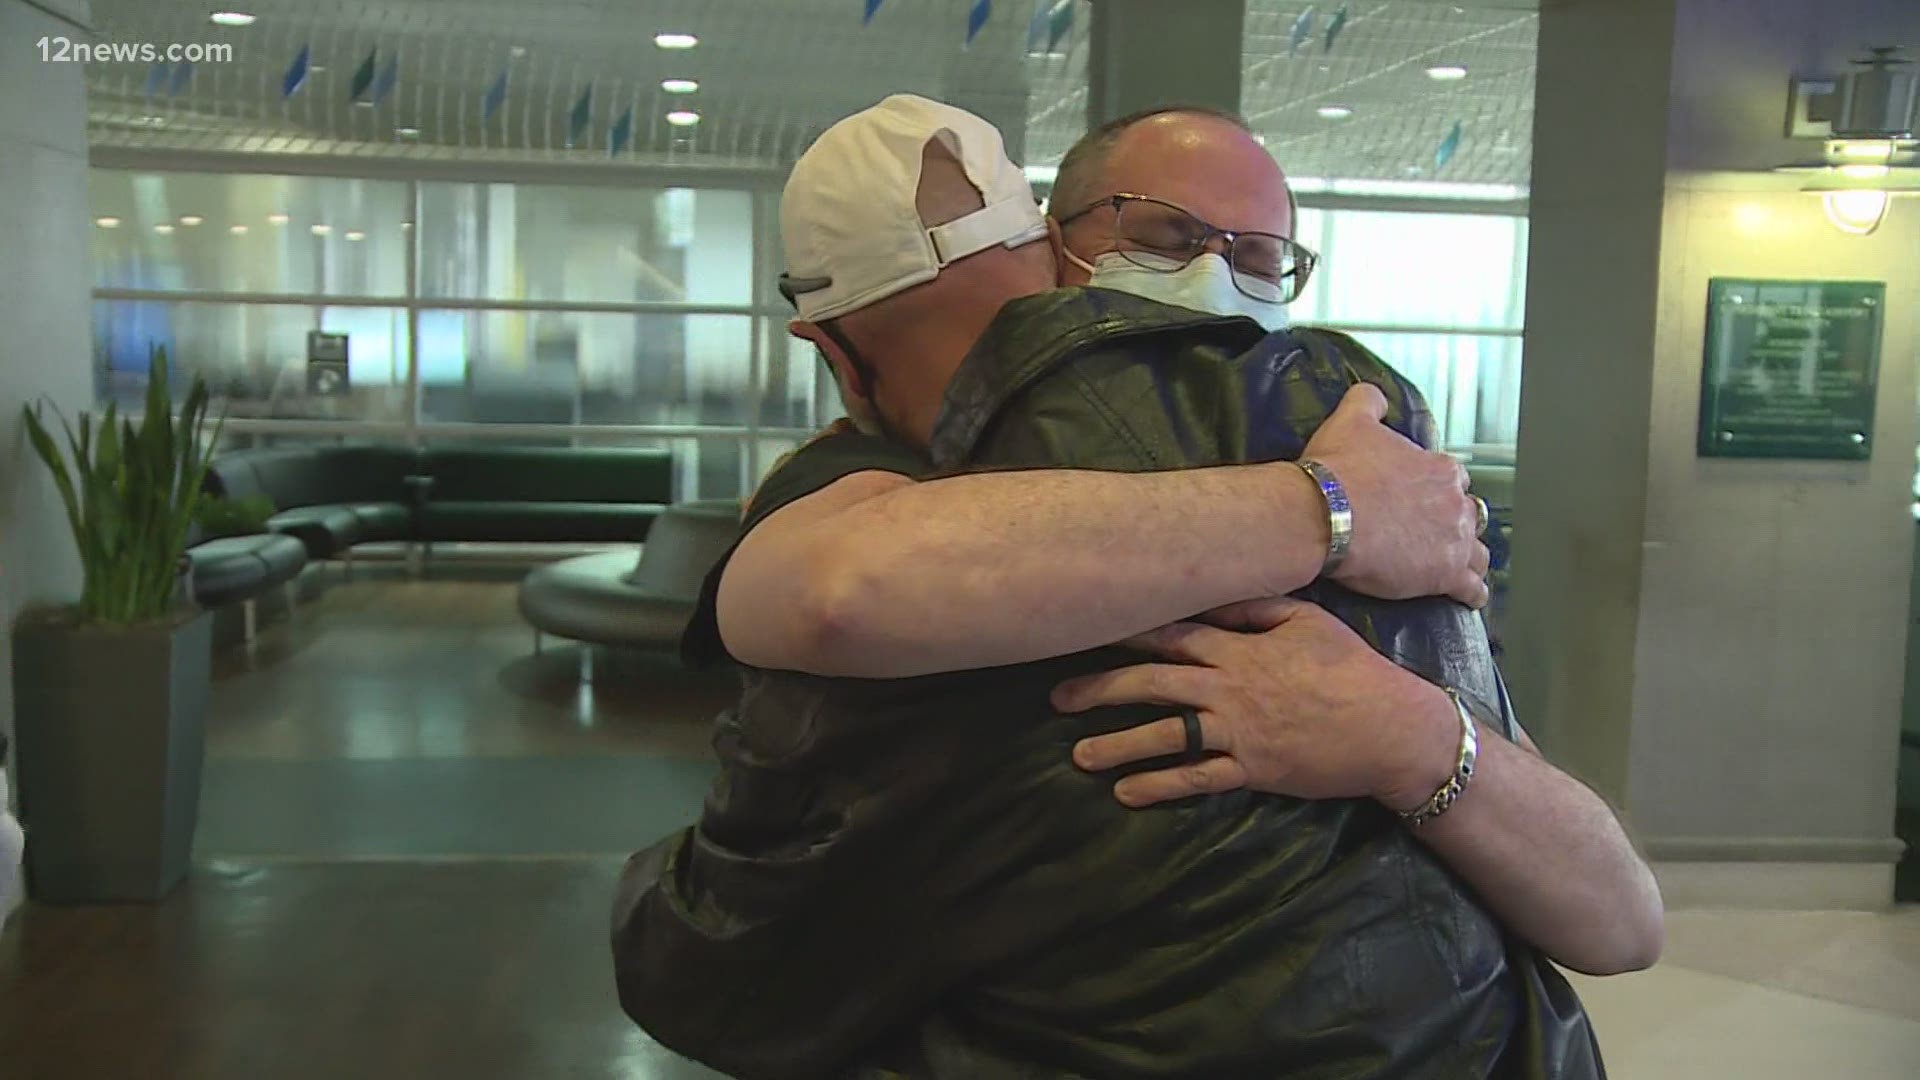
1157, 235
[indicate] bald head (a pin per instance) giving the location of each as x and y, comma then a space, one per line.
1205, 162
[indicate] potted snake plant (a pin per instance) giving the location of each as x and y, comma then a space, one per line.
110, 692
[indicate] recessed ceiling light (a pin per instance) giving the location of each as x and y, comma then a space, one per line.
356, 234
153, 121
679, 86
517, 51
321, 230
231, 18
190, 220
1446, 73
405, 226
277, 219
163, 230
675, 41
407, 132
316, 69
1334, 112
683, 118
237, 230
107, 222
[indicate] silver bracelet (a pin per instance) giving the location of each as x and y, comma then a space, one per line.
1339, 513
1450, 791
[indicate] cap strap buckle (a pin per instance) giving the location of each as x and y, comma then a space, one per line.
1009, 222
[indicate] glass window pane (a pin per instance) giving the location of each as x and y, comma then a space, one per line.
248, 233
1471, 382
571, 368
254, 356
599, 244
1383, 268
797, 389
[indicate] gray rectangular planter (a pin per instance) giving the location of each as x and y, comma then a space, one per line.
110, 731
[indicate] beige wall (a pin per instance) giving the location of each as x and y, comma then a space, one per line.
44, 284
1718, 644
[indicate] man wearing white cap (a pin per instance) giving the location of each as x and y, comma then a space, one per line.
906, 877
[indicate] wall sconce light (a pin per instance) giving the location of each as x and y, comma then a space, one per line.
1868, 120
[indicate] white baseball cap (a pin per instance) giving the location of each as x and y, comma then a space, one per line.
852, 232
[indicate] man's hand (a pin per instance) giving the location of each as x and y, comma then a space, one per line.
1292, 702
1414, 526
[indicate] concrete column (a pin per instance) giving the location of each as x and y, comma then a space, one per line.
1147, 53
45, 278
1717, 644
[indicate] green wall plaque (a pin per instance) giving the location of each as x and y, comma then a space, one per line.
1792, 369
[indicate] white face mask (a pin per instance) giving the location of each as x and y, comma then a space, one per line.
1205, 284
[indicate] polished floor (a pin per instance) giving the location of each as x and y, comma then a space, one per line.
410, 832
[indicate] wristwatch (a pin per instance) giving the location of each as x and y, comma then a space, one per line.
1339, 513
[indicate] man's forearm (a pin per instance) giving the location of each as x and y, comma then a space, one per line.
1549, 857
999, 568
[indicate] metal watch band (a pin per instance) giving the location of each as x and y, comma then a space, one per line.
1450, 791
1339, 513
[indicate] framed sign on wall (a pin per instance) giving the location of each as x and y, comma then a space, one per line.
1792, 369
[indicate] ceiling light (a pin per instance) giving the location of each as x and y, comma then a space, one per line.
407, 132
163, 230
277, 219
356, 234
237, 230
190, 220
1856, 212
107, 222
683, 118
1446, 73
675, 41
1334, 112
152, 121
321, 230
1864, 172
405, 226
679, 86
517, 51
231, 18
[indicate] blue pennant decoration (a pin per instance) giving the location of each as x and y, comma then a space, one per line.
383, 85
1037, 27
182, 75
363, 78
496, 97
1338, 24
977, 17
582, 112
1061, 24
622, 133
297, 72
156, 79
1448, 147
1302, 30
872, 6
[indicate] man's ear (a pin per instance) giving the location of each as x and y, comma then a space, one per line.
844, 371
1058, 242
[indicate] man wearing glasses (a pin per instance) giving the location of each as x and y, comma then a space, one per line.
901, 874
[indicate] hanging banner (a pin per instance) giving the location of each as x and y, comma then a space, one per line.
156, 79
622, 133
296, 76
977, 17
182, 75
1302, 30
872, 6
1448, 147
1052, 21
383, 85
582, 112
1061, 24
1338, 24
363, 78
496, 97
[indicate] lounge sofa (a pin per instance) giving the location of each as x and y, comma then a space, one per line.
333, 497
609, 599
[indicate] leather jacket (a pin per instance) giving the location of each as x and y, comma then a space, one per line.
909, 878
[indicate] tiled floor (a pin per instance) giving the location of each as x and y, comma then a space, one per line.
411, 830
